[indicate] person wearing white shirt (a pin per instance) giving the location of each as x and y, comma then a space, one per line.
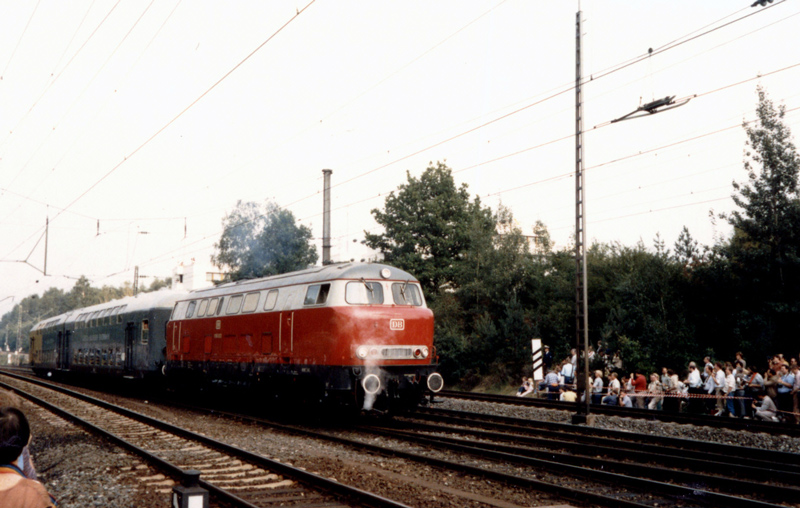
597, 387
730, 390
719, 387
567, 371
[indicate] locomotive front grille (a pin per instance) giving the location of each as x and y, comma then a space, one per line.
397, 353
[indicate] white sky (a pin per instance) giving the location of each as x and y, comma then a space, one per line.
104, 112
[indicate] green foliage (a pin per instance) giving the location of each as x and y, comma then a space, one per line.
763, 255
428, 225
258, 242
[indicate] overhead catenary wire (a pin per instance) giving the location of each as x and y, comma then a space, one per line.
343, 182
176, 117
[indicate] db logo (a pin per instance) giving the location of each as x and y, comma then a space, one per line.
397, 324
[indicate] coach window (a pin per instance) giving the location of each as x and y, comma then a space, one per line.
145, 331
272, 298
201, 311
190, 309
406, 294
250, 302
234, 304
317, 294
364, 293
212, 306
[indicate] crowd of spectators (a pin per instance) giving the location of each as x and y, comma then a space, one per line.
732, 388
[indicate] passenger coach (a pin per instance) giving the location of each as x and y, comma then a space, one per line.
354, 332
123, 338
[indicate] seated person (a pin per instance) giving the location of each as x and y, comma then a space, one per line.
15, 489
568, 395
526, 388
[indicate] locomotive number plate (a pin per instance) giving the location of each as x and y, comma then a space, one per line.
397, 324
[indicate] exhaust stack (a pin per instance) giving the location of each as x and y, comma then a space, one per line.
326, 217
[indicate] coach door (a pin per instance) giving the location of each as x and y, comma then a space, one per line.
130, 337
286, 334
62, 346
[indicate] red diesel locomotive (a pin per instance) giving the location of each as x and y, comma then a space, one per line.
351, 333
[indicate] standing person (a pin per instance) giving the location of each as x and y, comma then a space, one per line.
730, 390
719, 388
740, 359
616, 362
709, 387
597, 387
695, 384
639, 384
568, 371
654, 389
706, 364
547, 359
785, 384
753, 386
15, 489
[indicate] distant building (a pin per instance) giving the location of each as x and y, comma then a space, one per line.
194, 275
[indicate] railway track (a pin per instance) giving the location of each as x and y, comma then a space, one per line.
581, 464
233, 475
664, 416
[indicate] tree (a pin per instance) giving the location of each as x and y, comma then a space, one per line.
764, 251
258, 242
428, 226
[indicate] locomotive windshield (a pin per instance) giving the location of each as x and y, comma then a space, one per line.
364, 293
406, 294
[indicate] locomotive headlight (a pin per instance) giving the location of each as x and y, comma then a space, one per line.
424, 351
362, 352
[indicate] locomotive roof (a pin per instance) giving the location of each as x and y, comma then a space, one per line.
315, 274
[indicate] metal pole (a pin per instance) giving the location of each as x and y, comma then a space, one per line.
46, 236
581, 291
326, 217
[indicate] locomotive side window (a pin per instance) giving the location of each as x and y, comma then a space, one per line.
202, 310
180, 310
119, 315
145, 331
190, 309
234, 304
317, 294
212, 306
272, 299
364, 293
406, 294
250, 302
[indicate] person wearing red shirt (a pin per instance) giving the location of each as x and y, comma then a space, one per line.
639, 383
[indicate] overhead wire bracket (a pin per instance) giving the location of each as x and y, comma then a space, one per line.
656, 106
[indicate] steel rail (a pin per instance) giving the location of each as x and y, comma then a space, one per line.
587, 456
664, 416
312, 480
688, 447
